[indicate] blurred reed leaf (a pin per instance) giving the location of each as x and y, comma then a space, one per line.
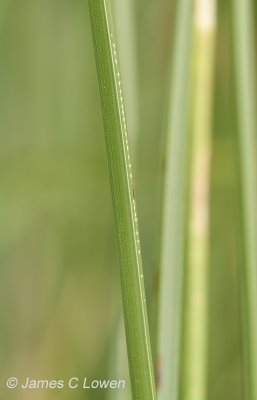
124, 207
194, 364
246, 85
173, 235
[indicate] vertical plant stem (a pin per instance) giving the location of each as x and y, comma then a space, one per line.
174, 210
124, 14
124, 25
246, 86
194, 368
124, 207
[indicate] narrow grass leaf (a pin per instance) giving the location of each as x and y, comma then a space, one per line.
124, 207
124, 26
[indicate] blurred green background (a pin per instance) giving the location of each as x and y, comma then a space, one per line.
59, 279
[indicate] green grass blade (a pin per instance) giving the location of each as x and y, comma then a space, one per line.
246, 85
174, 210
194, 366
132, 283
124, 24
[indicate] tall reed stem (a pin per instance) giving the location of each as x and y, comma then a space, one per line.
124, 207
125, 28
246, 86
194, 368
172, 247
124, 17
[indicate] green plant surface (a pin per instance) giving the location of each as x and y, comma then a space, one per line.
173, 234
3, 7
195, 332
125, 33
246, 86
3, 12
124, 207
125, 28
